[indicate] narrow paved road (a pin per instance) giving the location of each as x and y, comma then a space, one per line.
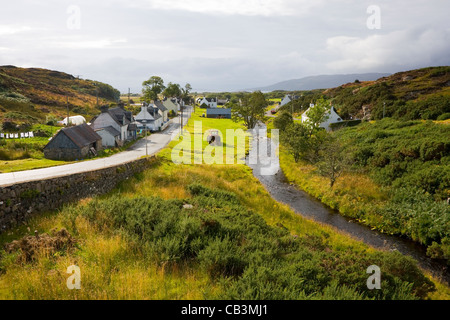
155, 143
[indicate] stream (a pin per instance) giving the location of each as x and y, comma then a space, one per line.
309, 207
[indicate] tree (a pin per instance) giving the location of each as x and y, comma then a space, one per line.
152, 87
332, 160
296, 139
283, 121
186, 93
172, 90
250, 109
317, 114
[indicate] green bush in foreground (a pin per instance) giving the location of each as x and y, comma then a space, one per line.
249, 258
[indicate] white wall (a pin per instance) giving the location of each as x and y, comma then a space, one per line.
107, 138
209, 104
104, 120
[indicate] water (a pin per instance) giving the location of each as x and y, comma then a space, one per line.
309, 207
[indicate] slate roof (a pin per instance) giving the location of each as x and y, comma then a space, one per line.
160, 106
170, 105
218, 111
111, 130
120, 115
133, 126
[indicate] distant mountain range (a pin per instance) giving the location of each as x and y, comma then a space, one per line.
321, 82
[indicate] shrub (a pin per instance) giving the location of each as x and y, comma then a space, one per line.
251, 259
444, 116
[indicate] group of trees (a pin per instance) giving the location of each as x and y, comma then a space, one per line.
309, 142
155, 86
250, 109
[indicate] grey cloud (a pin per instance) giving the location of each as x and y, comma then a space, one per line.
124, 44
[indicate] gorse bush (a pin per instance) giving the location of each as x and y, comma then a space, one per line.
416, 214
249, 258
409, 161
402, 153
412, 159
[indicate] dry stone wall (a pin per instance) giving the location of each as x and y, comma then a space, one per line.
19, 202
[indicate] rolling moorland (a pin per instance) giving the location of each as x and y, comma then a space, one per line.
30, 96
214, 248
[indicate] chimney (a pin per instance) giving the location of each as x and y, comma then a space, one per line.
104, 109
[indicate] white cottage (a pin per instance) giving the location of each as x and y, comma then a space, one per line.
149, 118
332, 117
110, 137
168, 103
209, 102
163, 111
118, 118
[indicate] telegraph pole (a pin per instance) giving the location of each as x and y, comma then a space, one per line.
96, 91
68, 112
384, 109
146, 127
181, 119
128, 103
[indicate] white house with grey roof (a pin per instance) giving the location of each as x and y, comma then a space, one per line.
149, 118
110, 137
117, 118
163, 111
209, 102
170, 105
330, 117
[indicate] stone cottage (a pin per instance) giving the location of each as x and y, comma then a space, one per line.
73, 143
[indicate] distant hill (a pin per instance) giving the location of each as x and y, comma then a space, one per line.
321, 82
415, 94
31, 95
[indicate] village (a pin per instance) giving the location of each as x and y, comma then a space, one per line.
117, 128
114, 127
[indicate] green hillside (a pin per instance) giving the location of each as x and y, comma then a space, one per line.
29, 96
411, 95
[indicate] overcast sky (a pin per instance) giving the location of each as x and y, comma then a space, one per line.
219, 45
